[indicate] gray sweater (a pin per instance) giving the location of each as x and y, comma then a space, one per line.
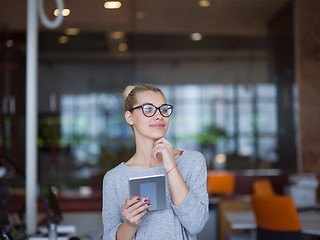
175, 222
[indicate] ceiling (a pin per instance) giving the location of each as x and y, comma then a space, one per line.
223, 17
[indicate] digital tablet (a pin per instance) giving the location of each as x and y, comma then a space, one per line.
152, 187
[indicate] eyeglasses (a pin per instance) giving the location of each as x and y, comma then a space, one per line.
150, 110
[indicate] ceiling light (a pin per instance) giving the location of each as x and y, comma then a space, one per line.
204, 3
117, 35
72, 31
123, 47
9, 43
112, 4
65, 12
63, 39
196, 36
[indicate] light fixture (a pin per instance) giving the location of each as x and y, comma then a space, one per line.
196, 36
204, 3
9, 43
112, 4
65, 12
63, 39
72, 31
117, 35
123, 47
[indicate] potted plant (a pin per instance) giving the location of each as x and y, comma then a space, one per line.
208, 139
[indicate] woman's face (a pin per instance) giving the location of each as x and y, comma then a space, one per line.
154, 127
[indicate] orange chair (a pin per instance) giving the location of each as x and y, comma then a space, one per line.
221, 182
263, 187
276, 218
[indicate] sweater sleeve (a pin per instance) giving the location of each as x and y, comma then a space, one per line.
111, 214
193, 213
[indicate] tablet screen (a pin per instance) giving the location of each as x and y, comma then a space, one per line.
152, 187
149, 190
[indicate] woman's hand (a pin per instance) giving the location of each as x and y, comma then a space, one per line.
162, 148
134, 209
165, 149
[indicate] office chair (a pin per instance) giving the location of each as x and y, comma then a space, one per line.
276, 218
263, 187
220, 183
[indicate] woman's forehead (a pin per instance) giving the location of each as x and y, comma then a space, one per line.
155, 98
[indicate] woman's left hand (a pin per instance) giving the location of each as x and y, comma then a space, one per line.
164, 148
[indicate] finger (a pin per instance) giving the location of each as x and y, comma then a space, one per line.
136, 220
154, 153
156, 150
159, 141
137, 203
154, 156
165, 144
129, 202
138, 211
141, 214
135, 211
162, 149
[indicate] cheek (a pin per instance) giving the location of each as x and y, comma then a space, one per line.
140, 121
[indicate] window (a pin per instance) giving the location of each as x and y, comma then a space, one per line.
94, 131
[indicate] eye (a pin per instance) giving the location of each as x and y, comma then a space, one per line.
148, 108
164, 109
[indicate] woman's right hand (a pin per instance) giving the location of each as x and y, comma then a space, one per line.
134, 209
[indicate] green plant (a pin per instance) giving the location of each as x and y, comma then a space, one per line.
211, 134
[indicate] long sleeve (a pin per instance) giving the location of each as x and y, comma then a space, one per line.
193, 213
111, 215
181, 222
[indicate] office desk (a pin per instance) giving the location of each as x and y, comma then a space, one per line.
310, 221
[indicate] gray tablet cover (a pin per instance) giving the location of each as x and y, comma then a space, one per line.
152, 187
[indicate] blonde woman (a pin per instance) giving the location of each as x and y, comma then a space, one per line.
148, 114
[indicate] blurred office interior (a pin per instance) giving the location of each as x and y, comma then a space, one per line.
243, 76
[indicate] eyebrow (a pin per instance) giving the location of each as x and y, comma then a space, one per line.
153, 104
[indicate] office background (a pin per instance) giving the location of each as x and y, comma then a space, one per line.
243, 77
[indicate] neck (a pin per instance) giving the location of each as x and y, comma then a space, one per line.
142, 157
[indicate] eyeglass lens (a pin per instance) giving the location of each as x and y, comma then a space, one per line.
150, 110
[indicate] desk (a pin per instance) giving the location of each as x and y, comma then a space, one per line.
310, 221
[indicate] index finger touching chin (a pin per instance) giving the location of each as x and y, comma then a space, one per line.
161, 140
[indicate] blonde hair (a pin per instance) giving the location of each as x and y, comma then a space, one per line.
129, 94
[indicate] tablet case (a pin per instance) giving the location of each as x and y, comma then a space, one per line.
153, 187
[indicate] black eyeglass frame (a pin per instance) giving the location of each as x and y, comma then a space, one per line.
157, 108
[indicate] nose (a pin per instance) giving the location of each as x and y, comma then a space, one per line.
157, 114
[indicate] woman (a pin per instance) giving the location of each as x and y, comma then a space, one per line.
147, 113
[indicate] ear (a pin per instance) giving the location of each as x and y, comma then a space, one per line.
128, 117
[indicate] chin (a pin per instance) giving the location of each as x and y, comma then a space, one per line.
158, 135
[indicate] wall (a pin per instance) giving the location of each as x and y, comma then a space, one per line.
308, 80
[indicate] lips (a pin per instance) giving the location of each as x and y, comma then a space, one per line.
157, 125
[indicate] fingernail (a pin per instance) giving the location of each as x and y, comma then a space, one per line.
146, 200
138, 198
149, 204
